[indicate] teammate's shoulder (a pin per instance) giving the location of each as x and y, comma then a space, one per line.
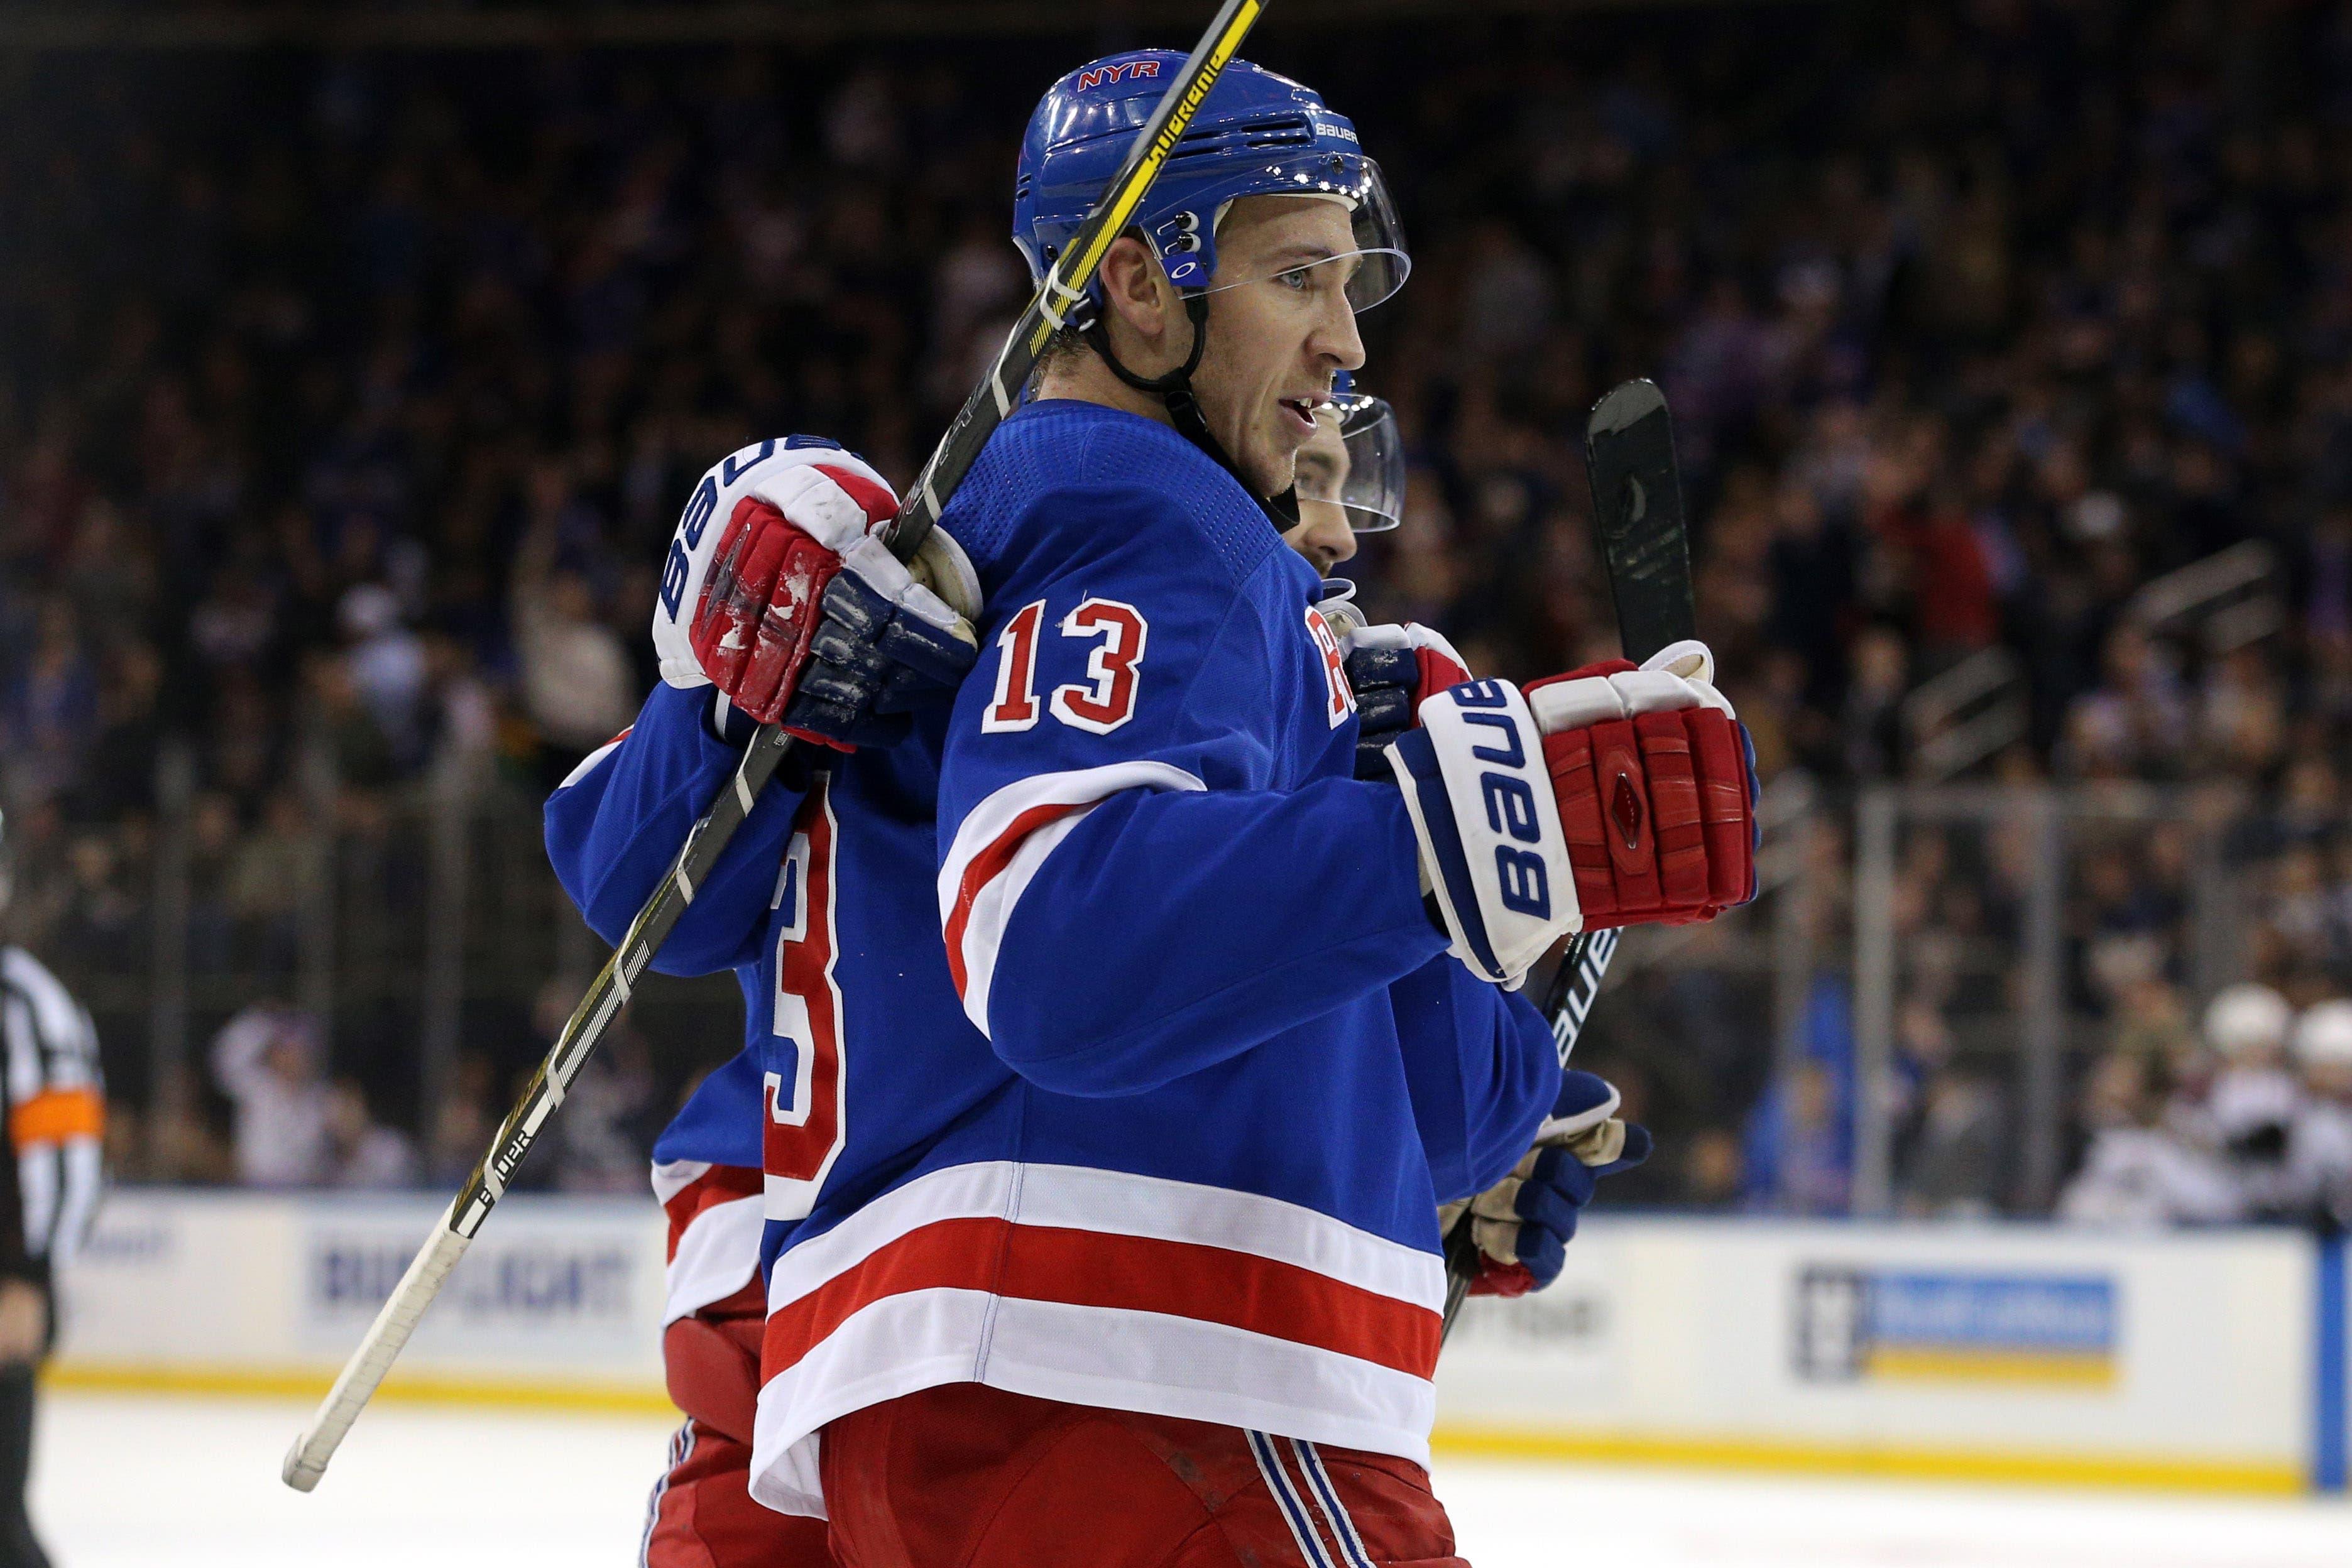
1081, 480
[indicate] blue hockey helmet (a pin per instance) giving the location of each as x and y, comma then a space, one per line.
1258, 134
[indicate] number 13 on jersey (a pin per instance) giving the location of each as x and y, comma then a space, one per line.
805, 1125
1100, 703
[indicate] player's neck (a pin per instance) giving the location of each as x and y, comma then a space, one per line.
1087, 379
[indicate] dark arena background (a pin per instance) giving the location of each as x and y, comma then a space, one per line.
355, 362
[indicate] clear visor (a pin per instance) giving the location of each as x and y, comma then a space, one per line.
1355, 461
1366, 259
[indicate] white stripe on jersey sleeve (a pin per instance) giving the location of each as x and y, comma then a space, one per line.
975, 908
587, 764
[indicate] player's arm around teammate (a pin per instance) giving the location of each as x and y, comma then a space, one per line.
778, 601
1350, 481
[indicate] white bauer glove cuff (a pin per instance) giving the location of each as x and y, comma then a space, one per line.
1492, 851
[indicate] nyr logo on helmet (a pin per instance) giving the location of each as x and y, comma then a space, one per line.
1126, 70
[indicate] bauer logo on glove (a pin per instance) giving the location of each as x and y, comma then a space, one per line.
1497, 864
1609, 796
780, 592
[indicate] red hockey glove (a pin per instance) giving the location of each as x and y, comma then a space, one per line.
1606, 797
780, 592
1655, 782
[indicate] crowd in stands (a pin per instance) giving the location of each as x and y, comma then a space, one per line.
347, 402
2251, 1121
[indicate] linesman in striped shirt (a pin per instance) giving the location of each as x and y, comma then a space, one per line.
54, 1100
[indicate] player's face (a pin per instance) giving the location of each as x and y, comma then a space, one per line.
1276, 342
1323, 534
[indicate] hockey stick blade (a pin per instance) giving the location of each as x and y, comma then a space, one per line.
1643, 537
982, 411
1637, 516
1645, 541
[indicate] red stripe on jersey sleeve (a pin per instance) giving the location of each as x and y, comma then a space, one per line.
986, 867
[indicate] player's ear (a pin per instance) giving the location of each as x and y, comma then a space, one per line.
1136, 291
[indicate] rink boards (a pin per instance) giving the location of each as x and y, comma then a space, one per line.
2013, 1352
2211, 1360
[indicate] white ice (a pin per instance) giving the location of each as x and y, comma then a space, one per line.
126, 1482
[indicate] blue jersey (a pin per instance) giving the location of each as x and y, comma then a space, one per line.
1105, 1051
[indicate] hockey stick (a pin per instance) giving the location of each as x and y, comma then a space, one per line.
983, 411
1638, 522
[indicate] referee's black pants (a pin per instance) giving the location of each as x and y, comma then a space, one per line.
18, 1549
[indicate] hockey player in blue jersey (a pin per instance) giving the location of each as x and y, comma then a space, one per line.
706, 1168
700, 1515
705, 1171
1350, 481
1129, 1192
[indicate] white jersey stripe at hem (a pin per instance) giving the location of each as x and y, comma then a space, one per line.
718, 1255
1104, 1357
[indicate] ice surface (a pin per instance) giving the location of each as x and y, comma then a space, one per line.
128, 1481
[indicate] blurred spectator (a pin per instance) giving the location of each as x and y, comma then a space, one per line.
362, 1152
49, 707
1799, 1148
386, 664
370, 454
2149, 1020
2137, 1172
262, 884
265, 1060
2319, 1147
578, 684
462, 1123
2251, 1106
1958, 1164
1871, 726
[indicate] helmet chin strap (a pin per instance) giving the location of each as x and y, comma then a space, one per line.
1175, 390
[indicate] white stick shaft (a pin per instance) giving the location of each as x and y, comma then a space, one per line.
306, 1461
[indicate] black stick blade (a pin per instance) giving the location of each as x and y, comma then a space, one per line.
1637, 497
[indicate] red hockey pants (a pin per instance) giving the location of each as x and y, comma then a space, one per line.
969, 1477
701, 1514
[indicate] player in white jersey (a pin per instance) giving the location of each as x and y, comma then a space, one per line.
54, 1098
